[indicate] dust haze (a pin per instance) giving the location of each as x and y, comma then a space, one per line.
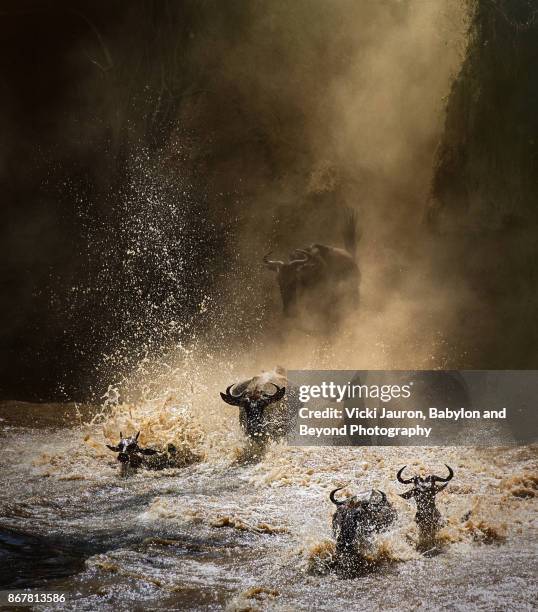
313, 109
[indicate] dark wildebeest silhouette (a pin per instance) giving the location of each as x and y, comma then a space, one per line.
320, 281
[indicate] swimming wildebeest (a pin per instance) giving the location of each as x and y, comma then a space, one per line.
130, 455
254, 419
261, 414
320, 281
428, 518
356, 520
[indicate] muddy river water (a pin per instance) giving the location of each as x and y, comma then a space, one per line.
228, 534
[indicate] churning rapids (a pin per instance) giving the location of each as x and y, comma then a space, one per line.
228, 534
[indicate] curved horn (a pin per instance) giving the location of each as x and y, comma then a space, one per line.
449, 477
315, 257
136, 437
233, 400
298, 261
333, 498
402, 480
121, 436
383, 495
272, 264
277, 395
306, 256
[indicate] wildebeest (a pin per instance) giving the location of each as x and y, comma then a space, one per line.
260, 416
130, 455
428, 518
320, 281
354, 524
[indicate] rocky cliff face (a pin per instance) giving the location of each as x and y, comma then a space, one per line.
486, 176
485, 187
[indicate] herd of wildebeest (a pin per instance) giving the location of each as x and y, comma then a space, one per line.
357, 519
324, 278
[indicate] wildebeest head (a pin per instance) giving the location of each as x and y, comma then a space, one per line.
427, 517
424, 487
358, 517
252, 403
129, 452
291, 275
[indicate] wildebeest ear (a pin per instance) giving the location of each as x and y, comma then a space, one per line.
116, 449
147, 451
440, 488
407, 494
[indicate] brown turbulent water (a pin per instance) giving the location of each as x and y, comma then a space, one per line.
226, 534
